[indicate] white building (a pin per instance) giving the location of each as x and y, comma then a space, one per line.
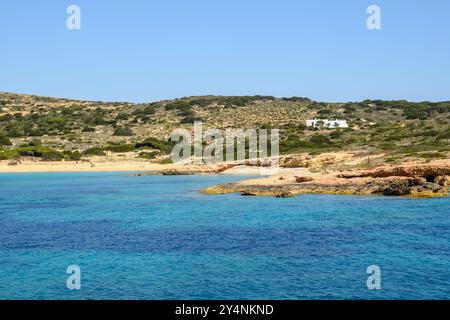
332, 124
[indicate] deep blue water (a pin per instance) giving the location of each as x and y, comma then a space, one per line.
158, 238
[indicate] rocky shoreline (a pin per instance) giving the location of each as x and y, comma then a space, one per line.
413, 180
188, 170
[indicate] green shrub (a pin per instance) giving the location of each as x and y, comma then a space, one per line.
72, 156
178, 105
8, 154
94, 152
35, 143
98, 120
296, 99
45, 153
444, 135
149, 110
123, 132
4, 141
432, 155
122, 116
88, 129
6, 117
336, 134
154, 143
320, 140
120, 148
190, 119
166, 161
35, 133
148, 155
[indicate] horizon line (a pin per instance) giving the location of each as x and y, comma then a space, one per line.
219, 95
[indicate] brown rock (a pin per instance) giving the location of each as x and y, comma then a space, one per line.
296, 161
429, 190
443, 181
425, 170
303, 179
247, 193
417, 181
398, 188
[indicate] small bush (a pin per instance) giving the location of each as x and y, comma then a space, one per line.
36, 133
320, 140
178, 105
123, 132
8, 154
148, 155
190, 119
88, 129
120, 148
94, 152
6, 117
45, 153
4, 141
72, 156
35, 143
166, 161
122, 116
154, 143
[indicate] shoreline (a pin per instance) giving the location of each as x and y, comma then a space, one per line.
424, 180
410, 179
140, 168
71, 166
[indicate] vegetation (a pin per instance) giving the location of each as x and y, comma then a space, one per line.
94, 152
54, 129
120, 148
44, 153
4, 141
123, 132
154, 143
148, 155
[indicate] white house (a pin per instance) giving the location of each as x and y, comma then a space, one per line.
332, 124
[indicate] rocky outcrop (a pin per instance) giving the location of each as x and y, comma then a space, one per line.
412, 181
413, 187
442, 180
194, 170
390, 187
303, 179
297, 161
428, 171
190, 170
307, 161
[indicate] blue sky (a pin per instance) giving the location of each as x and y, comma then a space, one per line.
140, 50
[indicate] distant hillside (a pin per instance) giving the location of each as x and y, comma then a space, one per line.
55, 129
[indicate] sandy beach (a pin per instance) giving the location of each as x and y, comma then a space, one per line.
137, 166
72, 166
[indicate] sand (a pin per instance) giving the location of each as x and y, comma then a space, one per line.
263, 171
136, 166
72, 166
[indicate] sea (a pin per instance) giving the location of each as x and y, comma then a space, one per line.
114, 236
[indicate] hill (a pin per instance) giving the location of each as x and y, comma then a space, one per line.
55, 129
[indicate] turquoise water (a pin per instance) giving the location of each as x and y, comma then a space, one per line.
158, 238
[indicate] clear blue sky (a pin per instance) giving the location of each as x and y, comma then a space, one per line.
140, 50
